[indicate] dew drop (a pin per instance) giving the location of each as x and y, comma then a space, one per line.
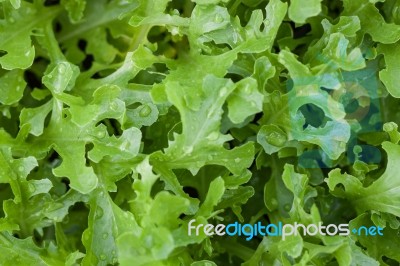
99, 213
61, 68
287, 207
213, 136
218, 18
235, 37
21, 169
223, 91
188, 149
11, 20
101, 134
145, 111
114, 106
103, 257
175, 31
105, 235
274, 202
125, 145
276, 139
237, 160
247, 89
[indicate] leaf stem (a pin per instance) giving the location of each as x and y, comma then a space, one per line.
51, 44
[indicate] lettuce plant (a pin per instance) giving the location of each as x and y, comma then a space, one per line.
123, 120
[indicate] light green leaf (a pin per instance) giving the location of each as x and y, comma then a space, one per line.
75, 9
390, 75
35, 117
106, 223
60, 77
15, 251
201, 113
57, 210
377, 246
300, 10
381, 195
12, 86
15, 34
245, 97
372, 22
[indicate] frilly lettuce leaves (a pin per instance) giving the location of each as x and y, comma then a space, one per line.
122, 120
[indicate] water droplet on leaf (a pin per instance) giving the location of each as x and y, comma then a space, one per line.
103, 257
247, 89
99, 213
101, 134
114, 106
188, 149
223, 91
61, 68
218, 18
274, 202
105, 235
276, 139
145, 111
213, 136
